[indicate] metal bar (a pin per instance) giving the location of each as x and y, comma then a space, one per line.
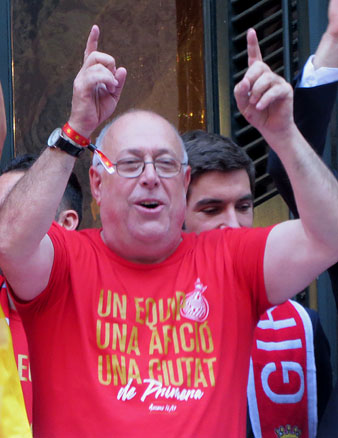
260, 25
286, 40
263, 198
210, 66
225, 84
6, 76
250, 10
262, 43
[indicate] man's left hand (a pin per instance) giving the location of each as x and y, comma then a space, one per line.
264, 98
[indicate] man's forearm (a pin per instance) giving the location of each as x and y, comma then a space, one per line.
327, 52
28, 211
312, 112
315, 188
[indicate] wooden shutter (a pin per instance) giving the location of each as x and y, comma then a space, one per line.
276, 24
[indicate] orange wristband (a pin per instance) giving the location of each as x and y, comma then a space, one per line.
73, 135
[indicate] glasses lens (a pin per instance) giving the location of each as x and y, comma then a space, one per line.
129, 167
167, 167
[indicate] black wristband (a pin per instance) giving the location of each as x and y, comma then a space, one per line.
56, 140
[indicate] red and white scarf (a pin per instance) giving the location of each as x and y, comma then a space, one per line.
282, 393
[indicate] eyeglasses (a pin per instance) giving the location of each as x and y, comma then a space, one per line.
133, 167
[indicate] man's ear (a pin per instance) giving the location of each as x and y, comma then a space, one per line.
187, 178
95, 179
68, 219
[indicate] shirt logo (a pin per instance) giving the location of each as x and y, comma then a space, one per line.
195, 306
288, 432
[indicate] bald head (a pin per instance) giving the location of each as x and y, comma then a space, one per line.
136, 119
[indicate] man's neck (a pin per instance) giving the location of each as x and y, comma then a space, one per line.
144, 256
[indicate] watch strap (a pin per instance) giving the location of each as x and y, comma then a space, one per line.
58, 140
66, 146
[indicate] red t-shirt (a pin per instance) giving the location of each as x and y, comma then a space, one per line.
20, 347
127, 350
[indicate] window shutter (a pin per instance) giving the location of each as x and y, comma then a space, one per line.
275, 22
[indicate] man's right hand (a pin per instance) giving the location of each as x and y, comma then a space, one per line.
97, 88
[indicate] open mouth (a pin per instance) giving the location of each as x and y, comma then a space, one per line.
150, 204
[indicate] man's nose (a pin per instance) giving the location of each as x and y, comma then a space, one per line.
149, 176
229, 219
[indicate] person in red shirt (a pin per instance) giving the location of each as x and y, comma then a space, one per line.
69, 215
13, 413
137, 326
220, 195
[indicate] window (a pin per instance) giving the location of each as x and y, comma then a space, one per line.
227, 21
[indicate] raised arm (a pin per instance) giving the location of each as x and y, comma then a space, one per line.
26, 252
327, 52
312, 105
296, 251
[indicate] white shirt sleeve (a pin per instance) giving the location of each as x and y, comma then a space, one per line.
312, 77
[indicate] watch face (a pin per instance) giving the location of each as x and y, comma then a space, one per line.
53, 138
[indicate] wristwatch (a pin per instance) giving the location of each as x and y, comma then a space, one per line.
58, 140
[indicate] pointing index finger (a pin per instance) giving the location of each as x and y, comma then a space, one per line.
254, 52
92, 41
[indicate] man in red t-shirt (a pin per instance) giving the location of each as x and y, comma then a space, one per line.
68, 215
138, 327
13, 415
220, 195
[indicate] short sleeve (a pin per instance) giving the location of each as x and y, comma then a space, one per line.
247, 247
58, 277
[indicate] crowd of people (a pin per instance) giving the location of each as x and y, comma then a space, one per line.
177, 316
